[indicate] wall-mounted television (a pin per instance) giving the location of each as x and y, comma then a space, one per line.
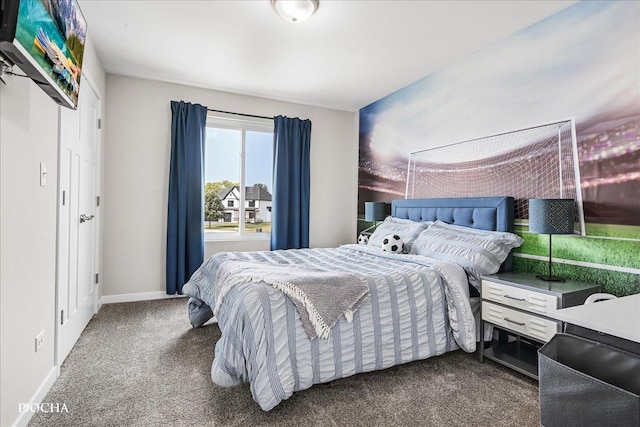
45, 39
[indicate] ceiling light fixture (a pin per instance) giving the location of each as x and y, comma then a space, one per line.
295, 11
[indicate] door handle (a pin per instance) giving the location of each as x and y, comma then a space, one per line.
85, 218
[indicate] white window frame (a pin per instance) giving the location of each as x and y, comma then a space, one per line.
242, 124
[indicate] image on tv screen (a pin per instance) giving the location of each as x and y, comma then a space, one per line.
53, 33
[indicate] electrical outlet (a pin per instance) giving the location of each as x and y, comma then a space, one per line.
39, 340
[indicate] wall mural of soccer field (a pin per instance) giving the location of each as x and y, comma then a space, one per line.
581, 63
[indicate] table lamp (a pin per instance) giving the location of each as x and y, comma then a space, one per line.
551, 216
374, 212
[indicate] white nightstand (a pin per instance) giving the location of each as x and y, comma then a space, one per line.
519, 305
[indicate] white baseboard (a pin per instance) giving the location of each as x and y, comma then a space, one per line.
142, 296
24, 417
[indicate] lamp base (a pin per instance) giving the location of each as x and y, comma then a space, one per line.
548, 278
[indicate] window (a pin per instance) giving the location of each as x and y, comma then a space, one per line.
238, 156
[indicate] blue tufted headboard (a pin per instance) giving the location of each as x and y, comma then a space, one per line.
485, 213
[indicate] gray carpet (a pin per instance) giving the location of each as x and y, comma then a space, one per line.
141, 364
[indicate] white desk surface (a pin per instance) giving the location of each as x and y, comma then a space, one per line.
619, 317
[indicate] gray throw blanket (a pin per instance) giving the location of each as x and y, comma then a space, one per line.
320, 297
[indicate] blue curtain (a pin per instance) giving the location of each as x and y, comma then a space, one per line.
185, 235
291, 165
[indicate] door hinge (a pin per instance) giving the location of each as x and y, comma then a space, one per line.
97, 200
97, 278
62, 317
64, 198
99, 123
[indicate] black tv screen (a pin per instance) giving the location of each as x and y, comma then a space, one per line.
46, 39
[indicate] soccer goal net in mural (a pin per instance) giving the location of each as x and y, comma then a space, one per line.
532, 163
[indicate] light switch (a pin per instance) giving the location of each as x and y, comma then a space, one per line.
43, 174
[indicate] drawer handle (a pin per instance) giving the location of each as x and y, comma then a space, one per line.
515, 299
514, 322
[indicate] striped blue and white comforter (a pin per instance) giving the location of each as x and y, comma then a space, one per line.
418, 308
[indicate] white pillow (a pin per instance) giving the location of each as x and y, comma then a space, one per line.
477, 251
407, 229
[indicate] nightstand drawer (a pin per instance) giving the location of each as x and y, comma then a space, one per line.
523, 323
523, 299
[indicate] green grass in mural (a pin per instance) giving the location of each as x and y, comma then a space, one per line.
613, 230
613, 282
363, 225
620, 253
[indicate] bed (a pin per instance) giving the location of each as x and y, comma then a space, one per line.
415, 305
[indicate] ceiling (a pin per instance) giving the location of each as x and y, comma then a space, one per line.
349, 54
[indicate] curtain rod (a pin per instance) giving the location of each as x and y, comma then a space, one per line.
240, 114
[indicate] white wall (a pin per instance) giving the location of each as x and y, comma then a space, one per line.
137, 151
28, 136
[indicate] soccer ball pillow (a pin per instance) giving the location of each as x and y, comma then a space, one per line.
392, 243
363, 239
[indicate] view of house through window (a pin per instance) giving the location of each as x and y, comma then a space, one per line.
238, 179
